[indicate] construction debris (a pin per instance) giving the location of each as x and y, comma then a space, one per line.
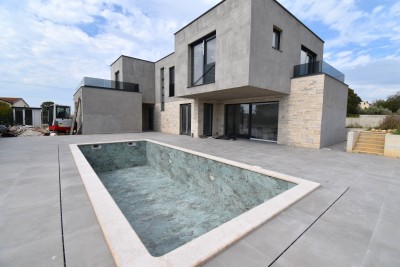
3, 129
22, 131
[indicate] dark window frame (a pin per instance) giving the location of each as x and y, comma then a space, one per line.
310, 53
172, 81
250, 119
278, 36
203, 41
210, 108
185, 119
162, 87
116, 77
310, 66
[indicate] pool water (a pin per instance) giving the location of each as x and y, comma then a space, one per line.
170, 197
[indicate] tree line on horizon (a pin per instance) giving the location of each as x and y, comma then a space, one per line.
379, 107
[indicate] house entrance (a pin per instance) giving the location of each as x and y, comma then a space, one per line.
19, 118
253, 121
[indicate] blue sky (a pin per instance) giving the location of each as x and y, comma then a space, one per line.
47, 46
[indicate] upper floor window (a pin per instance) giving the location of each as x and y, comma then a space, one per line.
307, 56
276, 38
307, 61
172, 81
203, 60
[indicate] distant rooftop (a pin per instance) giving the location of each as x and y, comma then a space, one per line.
10, 100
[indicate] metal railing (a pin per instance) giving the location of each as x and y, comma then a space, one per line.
317, 67
108, 84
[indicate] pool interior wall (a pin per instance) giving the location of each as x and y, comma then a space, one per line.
170, 197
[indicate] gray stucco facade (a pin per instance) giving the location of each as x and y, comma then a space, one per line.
255, 46
107, 111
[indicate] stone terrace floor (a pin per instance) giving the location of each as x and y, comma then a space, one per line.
351, 220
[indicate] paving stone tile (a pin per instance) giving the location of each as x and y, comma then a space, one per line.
87, 248
28, 224
238, 255
31, 194
43, 252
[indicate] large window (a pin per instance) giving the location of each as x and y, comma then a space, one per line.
162, 89
276, 38
307, 56
172, 81
203, 61
255, 120
307, 61
186, 119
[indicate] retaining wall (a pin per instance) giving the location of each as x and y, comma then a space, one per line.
365, 121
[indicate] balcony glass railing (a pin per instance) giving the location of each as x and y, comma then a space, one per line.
108, 84
318, 67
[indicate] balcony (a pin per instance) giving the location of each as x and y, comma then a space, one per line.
317, 68
108, 84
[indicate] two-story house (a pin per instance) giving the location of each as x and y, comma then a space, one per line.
245, 69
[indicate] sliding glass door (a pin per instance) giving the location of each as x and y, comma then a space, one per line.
238, 120
264, 121
255, 120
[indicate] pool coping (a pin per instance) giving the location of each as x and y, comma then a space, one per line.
126, 247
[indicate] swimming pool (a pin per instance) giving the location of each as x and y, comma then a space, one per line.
177, 206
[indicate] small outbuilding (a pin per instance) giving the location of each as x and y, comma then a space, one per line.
27, 116
15, 110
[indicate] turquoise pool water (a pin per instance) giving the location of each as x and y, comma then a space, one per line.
170, 197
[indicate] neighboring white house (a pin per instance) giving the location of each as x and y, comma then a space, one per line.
22, 113
364, 105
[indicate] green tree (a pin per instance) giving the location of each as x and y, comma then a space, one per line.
45, 111
6, 114
393, 102
352, 102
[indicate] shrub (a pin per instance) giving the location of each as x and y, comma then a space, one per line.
6, 116
375, 111
354, 125
353, 116
390, 122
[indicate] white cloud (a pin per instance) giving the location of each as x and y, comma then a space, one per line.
363, 42
44, 42
47, 42
352, 24
375, 80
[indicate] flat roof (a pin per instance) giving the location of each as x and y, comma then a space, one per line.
273, 0
132, 58
165, 56
187, 25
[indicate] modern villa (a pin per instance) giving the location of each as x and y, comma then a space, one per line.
245, 69
149, 183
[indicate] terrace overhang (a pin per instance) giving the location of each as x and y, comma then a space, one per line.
233, 93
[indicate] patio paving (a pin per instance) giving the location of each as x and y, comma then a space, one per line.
351, 220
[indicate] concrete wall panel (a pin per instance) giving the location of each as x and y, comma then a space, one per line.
231, 22
333, 128
133, 70
271, 68
111, 111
